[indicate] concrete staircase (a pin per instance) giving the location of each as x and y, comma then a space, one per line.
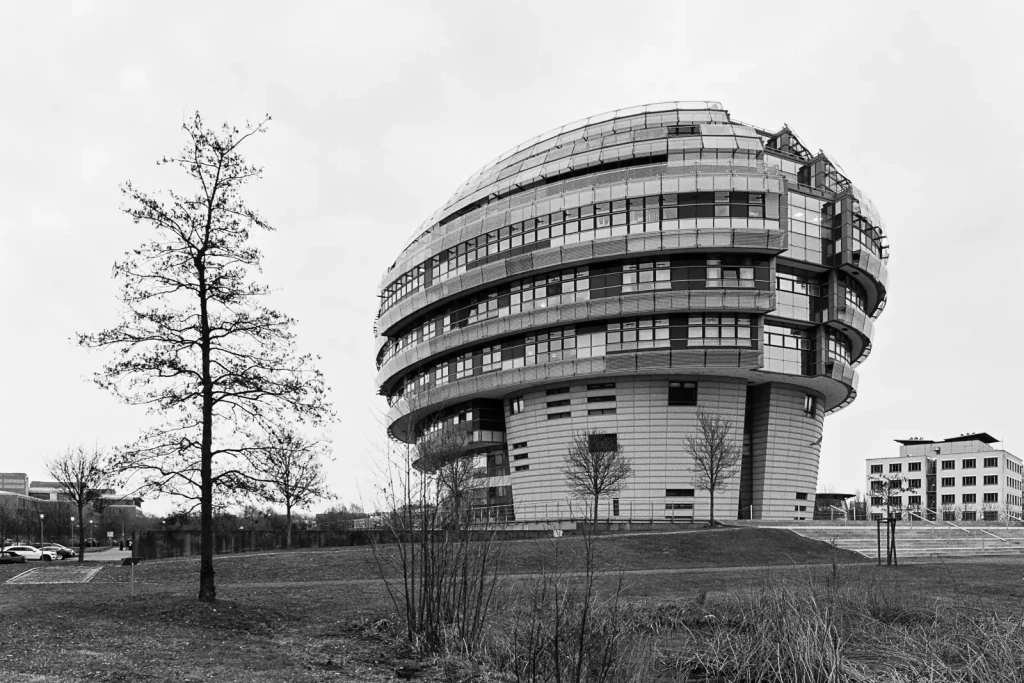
921, 540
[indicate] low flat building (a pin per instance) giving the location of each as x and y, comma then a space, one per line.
960, 479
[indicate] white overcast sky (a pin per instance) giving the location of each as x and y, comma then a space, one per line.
380, 110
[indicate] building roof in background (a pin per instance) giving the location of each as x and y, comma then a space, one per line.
980, 436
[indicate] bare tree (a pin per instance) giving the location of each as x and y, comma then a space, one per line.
445, 455
596, 465
82, 475
195, 345
716, 458
292, 471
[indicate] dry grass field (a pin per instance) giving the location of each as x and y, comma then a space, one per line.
698, 603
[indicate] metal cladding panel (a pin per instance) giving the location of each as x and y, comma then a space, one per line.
613, 247
687, 239
519, 264
671, 239
630, 306
688, 358
653, 360
757, 239
620, 362
493, 271
546, 258
469, 279
578, 252
722, 358
750, 358
672, 301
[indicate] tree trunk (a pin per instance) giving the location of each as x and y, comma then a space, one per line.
596, 498
81, 536
288, 531
712, 508
207, 590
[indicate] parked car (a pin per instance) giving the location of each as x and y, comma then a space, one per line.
10, 557
30, 552
63, 552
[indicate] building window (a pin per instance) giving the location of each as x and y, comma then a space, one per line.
558, 416
876, 516
913, 500
991, 480
678, 506
600, 399
970, 498
522, 468
876, 500
913, 467
558, 404
991, 462
991, 498
914, 483
602, 443
877, 486
799, 508
968, 464
601, 411
615, 507
598, 387
555, 392
801, 496
948, 516
948, 464
876, 469
949, 481
520, 456
969, 481
515, 405
682, 393
896, 501
810, 404
991, 515
678, 493
519, 444
948, 499
895, 467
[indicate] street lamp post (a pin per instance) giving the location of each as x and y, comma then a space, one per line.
71, 529
41, 516
90, 529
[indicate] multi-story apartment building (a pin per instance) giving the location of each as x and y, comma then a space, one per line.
618, 274
958, 479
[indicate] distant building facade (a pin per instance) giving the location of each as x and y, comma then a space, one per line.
960, 479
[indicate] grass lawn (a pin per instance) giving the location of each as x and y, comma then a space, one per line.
316, 615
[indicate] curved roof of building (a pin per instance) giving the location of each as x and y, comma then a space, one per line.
543, 147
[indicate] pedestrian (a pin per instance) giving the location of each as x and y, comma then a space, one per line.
129, 544
120, 546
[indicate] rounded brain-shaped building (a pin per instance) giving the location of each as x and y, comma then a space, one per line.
617, 275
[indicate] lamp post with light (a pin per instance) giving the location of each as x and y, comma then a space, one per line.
90, 530
71, 529
41, 516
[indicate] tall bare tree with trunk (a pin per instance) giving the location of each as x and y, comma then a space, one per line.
596, 465
82, 475
292, 470
195, 344
716, 458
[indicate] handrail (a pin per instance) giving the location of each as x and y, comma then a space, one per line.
1010, 515
966, 531
845, 516
992, 535
923, 519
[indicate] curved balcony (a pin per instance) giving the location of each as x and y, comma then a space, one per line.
686, 362
605, 186
711, 239
642, 303
853, 322
868, 269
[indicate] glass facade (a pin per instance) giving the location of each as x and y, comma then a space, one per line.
591, 222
